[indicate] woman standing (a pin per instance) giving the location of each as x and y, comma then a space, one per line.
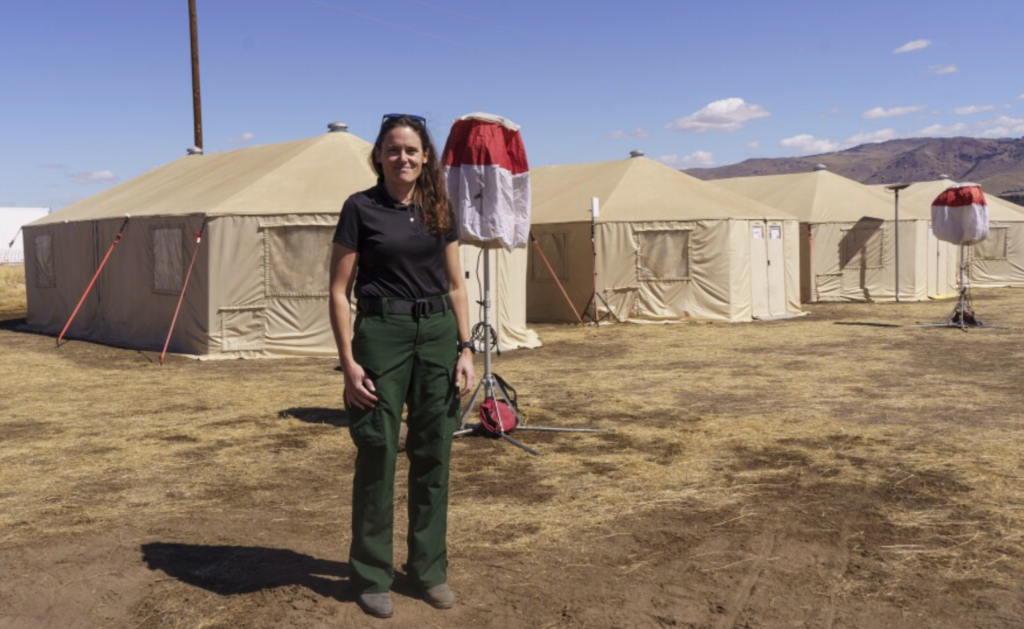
410, 345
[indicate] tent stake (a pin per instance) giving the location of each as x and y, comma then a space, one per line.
95, 276
181, 297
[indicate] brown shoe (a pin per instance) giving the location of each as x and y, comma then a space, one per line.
440, 596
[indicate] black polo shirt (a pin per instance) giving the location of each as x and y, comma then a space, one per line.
398, 256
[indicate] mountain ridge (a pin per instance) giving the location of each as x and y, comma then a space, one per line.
996, 164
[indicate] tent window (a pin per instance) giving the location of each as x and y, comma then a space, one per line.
296, 261
993, 247
663, 255
45, 276
862, 248
168, 259
556, 249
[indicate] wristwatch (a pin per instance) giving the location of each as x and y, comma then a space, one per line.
467, 345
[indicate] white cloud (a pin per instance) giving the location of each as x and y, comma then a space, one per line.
637, 134
917, 44
1004, 126
938, 129
879, 113
697, 158
729, 114
1021, 97
101, 177
940, 69
753, 145
248, 136
868, 137
807, 143
973, 109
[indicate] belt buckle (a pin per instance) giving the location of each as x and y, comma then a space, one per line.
422, 309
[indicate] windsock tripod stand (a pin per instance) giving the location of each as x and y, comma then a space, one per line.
494, 389
963, 316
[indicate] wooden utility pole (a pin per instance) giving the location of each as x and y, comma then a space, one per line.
197, 108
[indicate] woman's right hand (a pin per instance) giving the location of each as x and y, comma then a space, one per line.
359, 389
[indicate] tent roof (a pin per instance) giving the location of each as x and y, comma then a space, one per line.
821, 197
634, 189
311, 176
920, 196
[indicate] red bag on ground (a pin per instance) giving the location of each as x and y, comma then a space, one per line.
496, 417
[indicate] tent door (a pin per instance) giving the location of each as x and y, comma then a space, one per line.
938, 266
759, 270
933, 263
776, 270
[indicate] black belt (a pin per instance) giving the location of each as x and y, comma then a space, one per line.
414, 307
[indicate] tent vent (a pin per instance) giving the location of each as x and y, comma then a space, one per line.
194, 150
636, 153
818, 167
337, 127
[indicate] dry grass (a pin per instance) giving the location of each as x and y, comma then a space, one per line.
12, 289
903, 442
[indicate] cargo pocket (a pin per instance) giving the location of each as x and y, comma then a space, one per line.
366, 426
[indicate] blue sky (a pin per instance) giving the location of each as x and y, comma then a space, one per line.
99, 91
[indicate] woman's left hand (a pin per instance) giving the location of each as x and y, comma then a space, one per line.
465, 373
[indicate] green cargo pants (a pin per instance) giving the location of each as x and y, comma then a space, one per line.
409, 359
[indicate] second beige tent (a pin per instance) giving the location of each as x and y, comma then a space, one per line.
668, 247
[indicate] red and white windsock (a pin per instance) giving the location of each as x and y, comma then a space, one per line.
488, 180
960, 214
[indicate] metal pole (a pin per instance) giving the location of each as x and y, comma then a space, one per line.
489, 392
897, 246
593, 265
197, 110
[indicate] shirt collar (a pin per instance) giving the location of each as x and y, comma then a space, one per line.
382, 198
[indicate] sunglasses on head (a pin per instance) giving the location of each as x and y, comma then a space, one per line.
414, 117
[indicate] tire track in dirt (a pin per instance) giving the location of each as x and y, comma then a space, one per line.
765, 547
829, 616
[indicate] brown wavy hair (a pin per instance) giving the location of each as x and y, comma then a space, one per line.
431, 193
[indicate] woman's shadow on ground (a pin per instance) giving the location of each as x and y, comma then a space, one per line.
316, 415
227, 570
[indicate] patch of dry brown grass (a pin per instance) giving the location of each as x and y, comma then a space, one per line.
12, 290
907, 439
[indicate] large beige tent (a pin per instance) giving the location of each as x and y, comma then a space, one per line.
669, 247
995, 262
848, 237
259, 287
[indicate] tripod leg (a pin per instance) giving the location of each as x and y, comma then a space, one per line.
520, 445
469, 406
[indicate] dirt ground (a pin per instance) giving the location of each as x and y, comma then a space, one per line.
845, 469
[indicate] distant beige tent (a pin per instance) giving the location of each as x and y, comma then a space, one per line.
669, 247
995, 262
848, 237
259, 287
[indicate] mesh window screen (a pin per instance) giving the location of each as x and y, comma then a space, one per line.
863, 249
45, 276
168, 259
297, 260
993, 247
556, 249
663, 255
